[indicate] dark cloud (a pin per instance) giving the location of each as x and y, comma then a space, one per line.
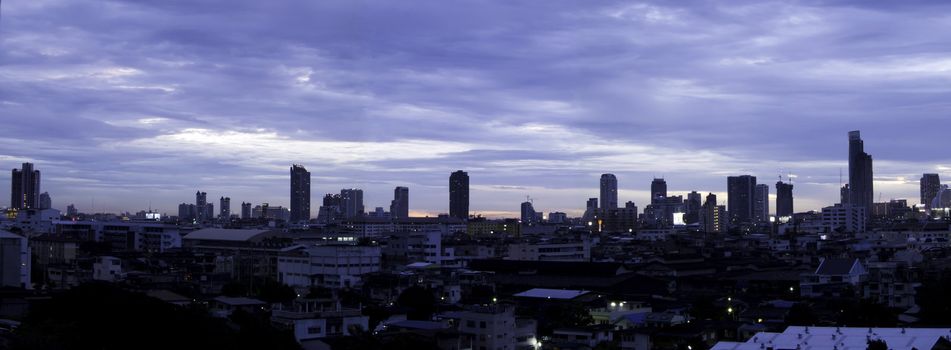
113, 99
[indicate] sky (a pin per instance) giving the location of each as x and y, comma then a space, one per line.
131, 104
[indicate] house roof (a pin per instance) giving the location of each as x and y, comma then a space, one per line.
835, 267
239, 301
560, 294
223, 234
842, 338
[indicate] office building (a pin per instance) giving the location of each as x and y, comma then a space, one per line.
608, 192
693, 206
25, 187
399, 207
658, 189
784, 199
528, 214
224, 210
71, 210
740, 198
591, 210
861, 191
300, 193
930, 185
45, 201
351, 203
713, 216
761, 203
245, 210
459, 195
201, 206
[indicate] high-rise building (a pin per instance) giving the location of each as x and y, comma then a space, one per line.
300, 193
399, 207
761, 203
459, 195
658, 189
693, 206
591, 210
71, 210
844, 194
608, 192
784, 199
225, 208
45, 201
861, 191
351, 203
740, 197
930, 185
528, 214
201, 206
245, 210
712, 218
25, 187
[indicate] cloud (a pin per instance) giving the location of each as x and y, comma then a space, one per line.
113, 97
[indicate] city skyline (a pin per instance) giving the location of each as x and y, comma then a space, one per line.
637, 93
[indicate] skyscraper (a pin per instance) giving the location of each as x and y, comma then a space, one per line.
693, 205
784, 199
351, 203
459, 195
528, 214
861, 191
930, 185
25, 187
201, 206
45, 201
712, 218
608, 192
658, 189
225, 208
300, 193
761, 203
245, 210
399, 207
740, 198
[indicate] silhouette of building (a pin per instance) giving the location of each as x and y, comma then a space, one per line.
459, 195
351, 203
740, 198
860, 174
245, 210
608, 192
784, 199
25, 187
300, 193
930, 186
658, 189
761, 203
45, 201
224, 210
399, 207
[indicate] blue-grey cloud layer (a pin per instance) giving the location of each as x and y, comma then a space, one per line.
132, 102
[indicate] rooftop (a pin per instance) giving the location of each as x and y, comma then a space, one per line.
560, 294
223, 234
841, 338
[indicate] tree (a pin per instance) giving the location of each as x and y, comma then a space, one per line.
420, 301
801, 314
877, 345
275, 292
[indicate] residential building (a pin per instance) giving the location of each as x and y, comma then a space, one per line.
300, 194
608, 197
15, 261
459, 195
740, 199
399, 207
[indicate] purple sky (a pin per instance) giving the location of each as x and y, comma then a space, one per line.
132, 102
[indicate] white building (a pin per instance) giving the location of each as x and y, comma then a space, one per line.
551, 251
843, 217
314, 319
14, 261
495, 327
107, 268
333, 266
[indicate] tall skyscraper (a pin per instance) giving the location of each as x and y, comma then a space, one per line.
225, 208
712, 218
25, 187
300, 193
351, 203
528, 214
658, 189
245, 210
861, 191
761, 203
740, 198
201, 206
693, 206
930, 186
45, 201
71, 210
459, 195
608, 192
399, 207
784, 199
